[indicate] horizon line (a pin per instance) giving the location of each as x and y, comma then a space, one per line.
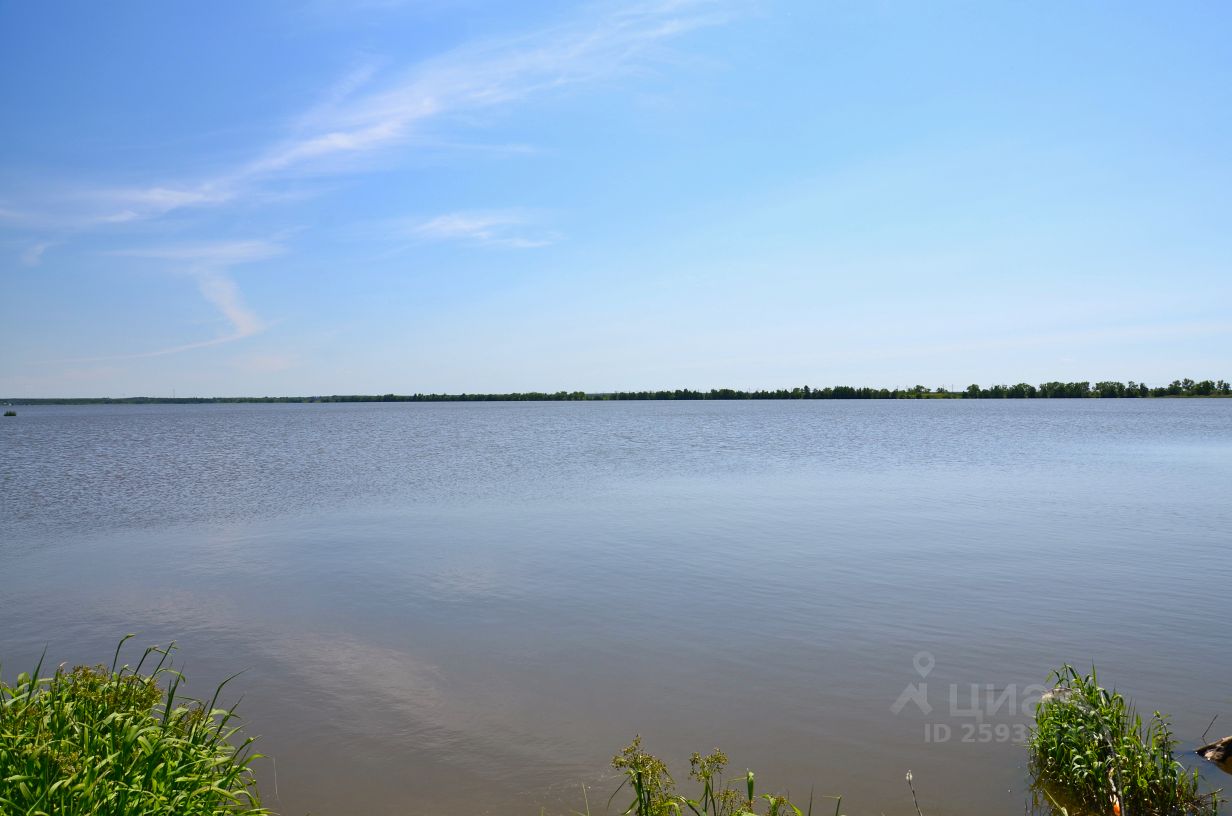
1046, 390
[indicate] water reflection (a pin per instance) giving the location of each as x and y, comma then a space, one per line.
475, 606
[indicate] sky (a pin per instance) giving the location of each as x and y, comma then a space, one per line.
301, 197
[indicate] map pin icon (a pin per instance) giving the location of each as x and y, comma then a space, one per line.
924, 662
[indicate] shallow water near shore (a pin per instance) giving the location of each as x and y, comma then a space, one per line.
474, 606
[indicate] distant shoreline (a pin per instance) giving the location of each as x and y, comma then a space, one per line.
1050, 390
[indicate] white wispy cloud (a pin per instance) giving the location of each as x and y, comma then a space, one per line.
208, 264
364, 114
123, 205
341, 89
508, 229
210, 254
221, 291
33, 255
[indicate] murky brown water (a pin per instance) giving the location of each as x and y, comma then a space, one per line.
475, 606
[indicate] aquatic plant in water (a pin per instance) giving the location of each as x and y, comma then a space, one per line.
1092, 753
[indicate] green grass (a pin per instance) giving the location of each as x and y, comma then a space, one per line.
1092, 754
102, 741
654, 790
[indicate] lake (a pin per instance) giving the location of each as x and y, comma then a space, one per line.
472, 606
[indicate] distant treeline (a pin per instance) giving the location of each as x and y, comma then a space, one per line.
1049, 390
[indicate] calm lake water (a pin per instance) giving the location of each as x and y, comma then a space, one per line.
471, 607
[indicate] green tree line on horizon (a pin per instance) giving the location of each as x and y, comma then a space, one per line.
1107, 389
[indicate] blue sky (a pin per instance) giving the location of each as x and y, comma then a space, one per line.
333, 196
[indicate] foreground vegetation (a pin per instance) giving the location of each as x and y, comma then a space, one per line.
102, 741
1107, 389
98, 740
654, 791
1091, 753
